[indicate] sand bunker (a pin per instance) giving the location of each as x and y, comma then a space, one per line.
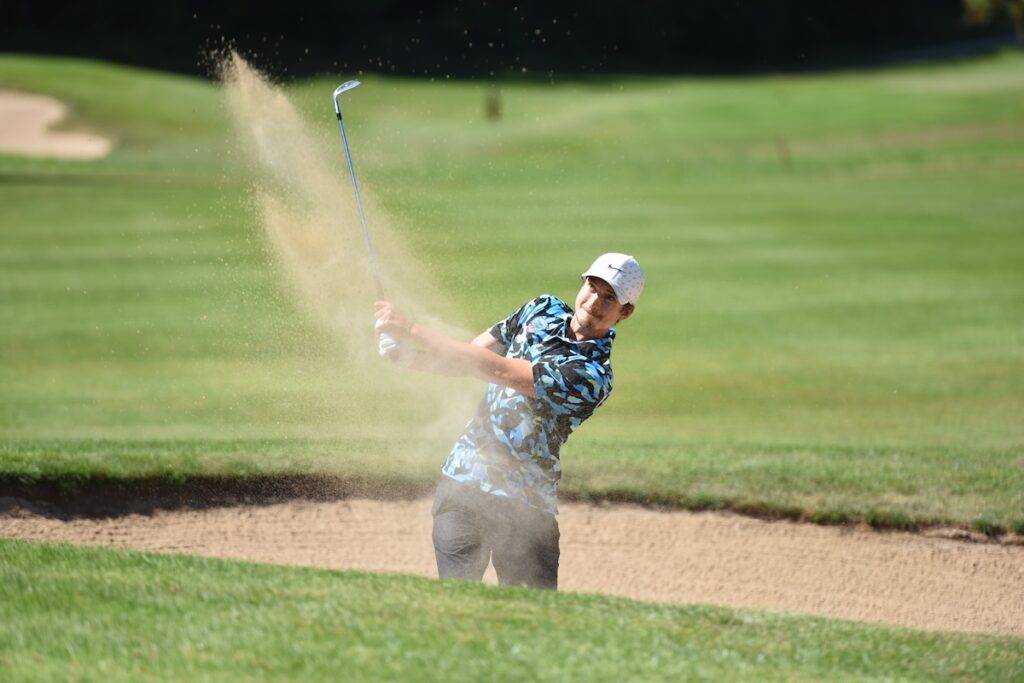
679, 557
25, 120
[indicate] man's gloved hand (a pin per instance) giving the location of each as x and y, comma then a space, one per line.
390, 319
386, 344
390, 323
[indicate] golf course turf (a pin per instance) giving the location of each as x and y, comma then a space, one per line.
831, 332
124, 615
831, 329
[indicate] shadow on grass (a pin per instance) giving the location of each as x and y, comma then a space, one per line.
102, 497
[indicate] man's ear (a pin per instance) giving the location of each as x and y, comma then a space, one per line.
627, 310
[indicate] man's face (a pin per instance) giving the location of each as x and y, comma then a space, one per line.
597, 308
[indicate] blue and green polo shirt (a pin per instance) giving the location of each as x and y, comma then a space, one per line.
511, 445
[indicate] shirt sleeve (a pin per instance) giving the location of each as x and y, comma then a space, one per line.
506, 330
573, 387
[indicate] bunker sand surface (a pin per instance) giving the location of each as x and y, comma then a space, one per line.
25, 121
677, 557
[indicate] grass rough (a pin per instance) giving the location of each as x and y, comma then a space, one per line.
69, 612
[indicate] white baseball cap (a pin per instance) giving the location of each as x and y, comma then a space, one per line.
622, 272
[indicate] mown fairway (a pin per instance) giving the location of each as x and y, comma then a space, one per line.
832, 326
68, 612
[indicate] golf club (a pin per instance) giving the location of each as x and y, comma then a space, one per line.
344, 87
387, 341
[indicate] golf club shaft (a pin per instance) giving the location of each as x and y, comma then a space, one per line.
359, 204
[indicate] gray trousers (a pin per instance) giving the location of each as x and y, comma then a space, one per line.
472, 527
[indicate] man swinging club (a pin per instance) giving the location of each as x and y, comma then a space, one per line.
548, 368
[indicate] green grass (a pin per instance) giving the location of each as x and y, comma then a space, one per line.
99, 614
831, 329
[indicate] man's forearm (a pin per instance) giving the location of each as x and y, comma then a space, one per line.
464, 359
459, 357
423, 360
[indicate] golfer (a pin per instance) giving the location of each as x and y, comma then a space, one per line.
548, 368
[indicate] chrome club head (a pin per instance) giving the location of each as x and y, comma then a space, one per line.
344, 87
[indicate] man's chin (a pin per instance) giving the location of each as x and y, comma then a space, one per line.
586, 327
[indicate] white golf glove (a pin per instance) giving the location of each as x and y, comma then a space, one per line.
387, 345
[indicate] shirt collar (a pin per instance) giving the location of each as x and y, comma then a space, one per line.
591, 346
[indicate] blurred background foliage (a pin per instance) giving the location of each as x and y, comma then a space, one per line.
496, 39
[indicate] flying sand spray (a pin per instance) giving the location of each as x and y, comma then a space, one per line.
314, 233
388, 345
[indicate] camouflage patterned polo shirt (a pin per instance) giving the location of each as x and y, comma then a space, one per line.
510, 447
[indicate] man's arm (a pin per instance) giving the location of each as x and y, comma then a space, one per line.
417, 358
487, 341
450, 356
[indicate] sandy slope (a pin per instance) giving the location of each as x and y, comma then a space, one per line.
899, 578
24, 129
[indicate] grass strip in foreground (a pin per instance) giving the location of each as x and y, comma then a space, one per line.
86, 613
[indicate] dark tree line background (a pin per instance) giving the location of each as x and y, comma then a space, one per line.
489, 37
